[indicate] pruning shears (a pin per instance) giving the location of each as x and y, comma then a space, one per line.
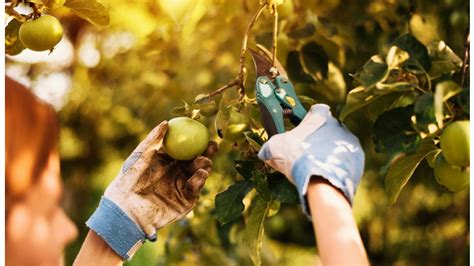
275, 93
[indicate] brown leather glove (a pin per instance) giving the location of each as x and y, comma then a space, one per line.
151, 190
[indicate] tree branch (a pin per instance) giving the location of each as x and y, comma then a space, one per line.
239, 81
465, 63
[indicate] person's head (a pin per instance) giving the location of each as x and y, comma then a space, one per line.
37, 229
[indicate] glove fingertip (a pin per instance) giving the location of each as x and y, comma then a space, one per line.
152, 238
320, 108
265, 154
196, 182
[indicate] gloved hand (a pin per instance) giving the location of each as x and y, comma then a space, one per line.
151, 191
318, 146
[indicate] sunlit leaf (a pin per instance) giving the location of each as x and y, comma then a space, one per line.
90, 10
444, 91
253, 139
306, 99
229, 204
444, 60
360, 97
417, 51
424, 110
13, 45
390, 101
396, 57
401, 170
333, 89
222, 120
373, 71
253, 234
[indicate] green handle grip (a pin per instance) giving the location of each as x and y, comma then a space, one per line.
288, 97
271, 110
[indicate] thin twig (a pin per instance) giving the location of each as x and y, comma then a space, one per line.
12, 12
231, 84
428, 80
275, 34
243, 51
36, 12
239, 81
465, 63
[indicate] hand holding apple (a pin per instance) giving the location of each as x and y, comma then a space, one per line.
153, 189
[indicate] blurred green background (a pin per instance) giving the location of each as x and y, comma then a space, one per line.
111, 85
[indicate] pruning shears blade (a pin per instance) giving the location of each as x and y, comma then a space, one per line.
262, 64
269, 56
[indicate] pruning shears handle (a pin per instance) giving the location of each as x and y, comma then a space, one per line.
277, 99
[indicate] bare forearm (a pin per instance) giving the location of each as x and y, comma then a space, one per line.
338, 238
95, 251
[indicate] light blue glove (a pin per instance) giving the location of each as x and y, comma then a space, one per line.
319, 146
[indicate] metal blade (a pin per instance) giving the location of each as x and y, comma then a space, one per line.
262, 64
269, 56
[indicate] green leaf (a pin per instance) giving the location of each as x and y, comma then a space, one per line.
222, 120
396, 57
305, 32
181, 110
401, 170
229, 204
295, 69
431, 157
254, 140
389, 102
444, 60
372, 72
360, 97
306, 99
90, 10
261, 185
448, 89
393, 132
416, 50
424, 111
253, 234
444, 91
315, 60
333, 89
245, 168
282, 189
13, 45
463, 99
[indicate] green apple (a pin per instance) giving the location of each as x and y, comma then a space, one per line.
41, 34
185, 139
452, 177
455, 143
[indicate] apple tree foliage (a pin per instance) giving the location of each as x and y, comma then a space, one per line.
391, 71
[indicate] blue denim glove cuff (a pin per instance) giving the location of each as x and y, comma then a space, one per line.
302, 173
116, 228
